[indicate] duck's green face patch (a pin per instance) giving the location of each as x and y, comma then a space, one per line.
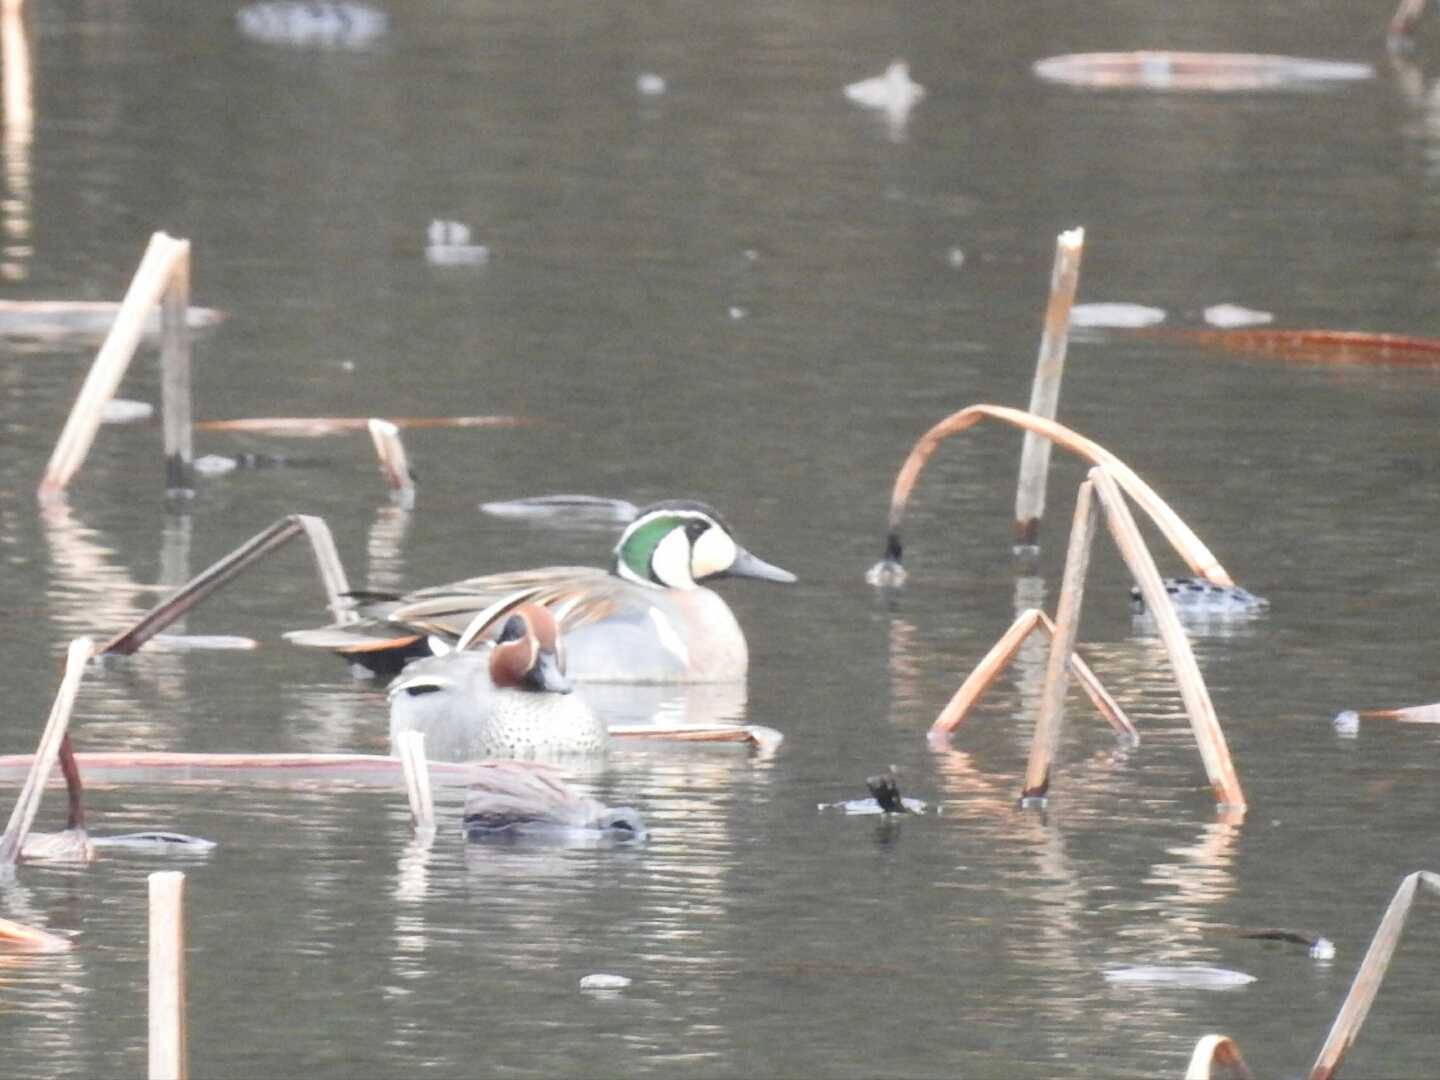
673, 549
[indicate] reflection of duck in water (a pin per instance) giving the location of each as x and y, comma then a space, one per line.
648, 619
508, 699
519, 800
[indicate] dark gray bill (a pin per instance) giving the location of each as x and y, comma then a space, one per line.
747, 565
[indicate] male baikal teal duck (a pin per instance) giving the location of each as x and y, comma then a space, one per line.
648, 619
506, 699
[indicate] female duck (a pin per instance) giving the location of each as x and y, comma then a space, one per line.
648, 619
510, 699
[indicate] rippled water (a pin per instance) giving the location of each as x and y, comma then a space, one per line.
745, 290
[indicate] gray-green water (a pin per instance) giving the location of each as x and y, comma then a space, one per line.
740, 290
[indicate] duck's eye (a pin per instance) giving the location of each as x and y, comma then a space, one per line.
421, 689
693, 529
513, 630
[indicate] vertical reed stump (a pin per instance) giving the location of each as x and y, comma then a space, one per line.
167, 976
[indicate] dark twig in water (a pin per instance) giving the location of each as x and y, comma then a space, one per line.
332, 575
885, 788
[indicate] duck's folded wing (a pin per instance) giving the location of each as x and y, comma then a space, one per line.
507, 793
576, 594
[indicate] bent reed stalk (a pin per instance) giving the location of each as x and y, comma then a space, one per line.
1189, 546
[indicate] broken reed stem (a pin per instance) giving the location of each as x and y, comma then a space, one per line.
1189, 547
332, 576
175, 393
1203, 722
15, 61
28, 939
1051, 720
167, 976
28, 802
999, 657
411, 747
1369, 976
1045, 390
1213, 1050
762, 739
1413, 714
394, 464
1402, 23
146, 288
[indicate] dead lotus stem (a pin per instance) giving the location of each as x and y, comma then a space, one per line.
167, 1043
14, 935
1217, 1050
1413, 714
175, 395
996, 660
1045, 389
759, 738
322, 544
1048, 725
1402, 23
394, 464
411, 745
28, 802
1196, 555
312, 427
1203, 722
1370, 975
146, 288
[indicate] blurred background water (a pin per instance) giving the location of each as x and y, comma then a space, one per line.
745, 289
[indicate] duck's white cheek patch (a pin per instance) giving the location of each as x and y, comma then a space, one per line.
714, 554
669, 638
671, 561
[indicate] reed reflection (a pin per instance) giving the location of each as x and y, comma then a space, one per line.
16, 210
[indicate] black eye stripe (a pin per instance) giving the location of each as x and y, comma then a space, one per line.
421, 689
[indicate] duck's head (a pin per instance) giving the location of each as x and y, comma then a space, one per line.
679, 543
527, 653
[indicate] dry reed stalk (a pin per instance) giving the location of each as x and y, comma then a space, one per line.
167, 1057
1402, 23
73, 844
322, 544
175, 395
104, 767
1414, 714
14, 935
28, 802
1203, 721
764, 740
1196, 555
1046, 739
314, 427
998, 658
411, 745
15, 70
1368, 978
394, 464
1217, 1050
1045, 390
146, 288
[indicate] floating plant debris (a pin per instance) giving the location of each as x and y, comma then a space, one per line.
1229, 316
449, 245
601, 981
565, 509
314, 427
316, 24
1195, 71
125, 411
1192, 976
1119, 315
1307, 346
83, 320
1195, 596
156, 841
